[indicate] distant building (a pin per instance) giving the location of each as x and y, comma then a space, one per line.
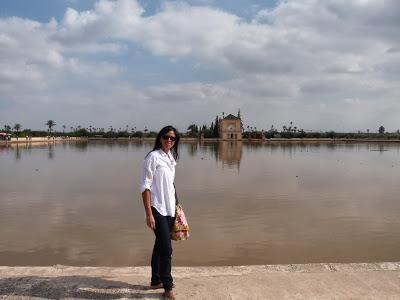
230, 128
5, 136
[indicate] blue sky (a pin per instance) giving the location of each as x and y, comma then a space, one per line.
325, 65
44, 10
41, 10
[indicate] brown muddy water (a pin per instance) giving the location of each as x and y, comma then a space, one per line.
79, 204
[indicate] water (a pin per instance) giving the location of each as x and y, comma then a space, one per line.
80, 204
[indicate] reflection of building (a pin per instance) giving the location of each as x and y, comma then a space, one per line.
230, 128
230, 152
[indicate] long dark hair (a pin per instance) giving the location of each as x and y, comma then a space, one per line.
164, 131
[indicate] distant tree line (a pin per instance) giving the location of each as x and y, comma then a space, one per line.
292, 131
109, 132
196, 131
193, 130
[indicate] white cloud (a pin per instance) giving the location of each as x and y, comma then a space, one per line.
315, 62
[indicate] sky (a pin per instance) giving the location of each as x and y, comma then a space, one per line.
323, 65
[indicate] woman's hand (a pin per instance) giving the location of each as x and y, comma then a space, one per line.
151, 222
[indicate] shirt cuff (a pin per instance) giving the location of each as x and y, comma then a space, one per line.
145, 186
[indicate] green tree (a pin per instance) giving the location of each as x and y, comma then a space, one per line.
330, 134
216, 127
17, 128
81, 132
193, 130
50, 124
7, 128
381, 130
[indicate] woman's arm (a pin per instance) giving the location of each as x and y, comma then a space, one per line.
149, 215
149, 168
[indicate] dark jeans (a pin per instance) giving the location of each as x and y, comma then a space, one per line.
162, 251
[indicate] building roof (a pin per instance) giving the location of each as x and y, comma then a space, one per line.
231, 117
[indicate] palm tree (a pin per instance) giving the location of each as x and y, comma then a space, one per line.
17, 128
7, 128
64, 128
50, 124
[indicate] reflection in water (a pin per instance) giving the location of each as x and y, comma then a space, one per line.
192, 148
230, 153
290, 203
381, 148
81, 146
18, 149
17, 153
50, 152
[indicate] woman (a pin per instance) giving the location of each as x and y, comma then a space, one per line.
158, 193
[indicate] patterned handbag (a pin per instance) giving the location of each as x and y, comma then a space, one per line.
180, 229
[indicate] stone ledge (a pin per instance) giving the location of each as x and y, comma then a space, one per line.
200, 271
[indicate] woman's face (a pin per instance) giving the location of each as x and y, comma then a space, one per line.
168, 140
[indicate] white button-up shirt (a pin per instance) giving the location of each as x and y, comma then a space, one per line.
158, 177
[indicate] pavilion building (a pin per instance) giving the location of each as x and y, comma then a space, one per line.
230, 128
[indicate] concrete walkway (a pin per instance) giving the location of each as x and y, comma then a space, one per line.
308, 281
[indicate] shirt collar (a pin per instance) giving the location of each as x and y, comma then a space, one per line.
161, 151
169, 157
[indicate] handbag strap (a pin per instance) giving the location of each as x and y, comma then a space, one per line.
176, 195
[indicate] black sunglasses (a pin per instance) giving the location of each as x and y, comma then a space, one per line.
169, 137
